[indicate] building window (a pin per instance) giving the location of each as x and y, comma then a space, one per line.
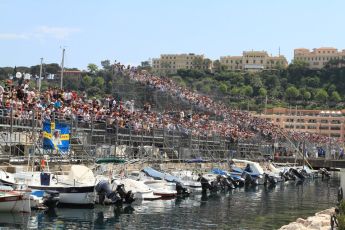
324, 127
247, 61
261, 61
335, 128
335, 135
311, 127
324, 121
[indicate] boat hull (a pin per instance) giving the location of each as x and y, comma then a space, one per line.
84, 195
15, 203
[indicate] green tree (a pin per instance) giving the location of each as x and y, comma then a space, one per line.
94, 91
262, 92
292, 93
306, 95
99, 82
321, 95
197, 62
235, 91
218, 67
223, 88
87, 81
105, 64
92, 68
335, 97
247, 90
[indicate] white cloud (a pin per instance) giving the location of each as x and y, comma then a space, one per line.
41, 33
56, 32
13, 36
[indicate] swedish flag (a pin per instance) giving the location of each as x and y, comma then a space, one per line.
56, 136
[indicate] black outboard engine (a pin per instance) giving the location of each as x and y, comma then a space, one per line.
181, 189
128, 197
51, 198
248, 179
104, 191
205, 184
297, 174
324, 173
284, 176
269, 180
225, 183
304, 173
290, 175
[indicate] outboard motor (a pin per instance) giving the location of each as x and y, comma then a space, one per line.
226, 183
304, 173
237, 182
51, 198
104, 191
205, 184
128, 197
269, 180
290, 175
324, 173
284, 176
297, 174
248, 179
181, 189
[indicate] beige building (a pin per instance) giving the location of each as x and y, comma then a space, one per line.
318, 57
328, 123
170, 63
253, 61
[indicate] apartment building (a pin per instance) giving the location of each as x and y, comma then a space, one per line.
253, 61
170, 63
325, 122
318, 57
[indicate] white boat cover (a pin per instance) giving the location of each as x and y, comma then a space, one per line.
81, 174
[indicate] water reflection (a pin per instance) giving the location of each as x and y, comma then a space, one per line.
246, 208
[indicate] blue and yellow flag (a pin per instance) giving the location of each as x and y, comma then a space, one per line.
55, 136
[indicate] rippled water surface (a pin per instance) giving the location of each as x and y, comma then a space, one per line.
259, 208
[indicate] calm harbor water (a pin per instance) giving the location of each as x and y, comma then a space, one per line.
258, 208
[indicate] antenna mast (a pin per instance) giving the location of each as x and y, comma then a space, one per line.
62, 63
39, 80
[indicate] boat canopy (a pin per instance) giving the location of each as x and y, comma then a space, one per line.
219, 171
81, 174
159, 175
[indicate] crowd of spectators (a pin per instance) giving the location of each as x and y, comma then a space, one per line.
236, 125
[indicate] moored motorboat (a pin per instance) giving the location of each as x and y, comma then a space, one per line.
75, 189
14, 201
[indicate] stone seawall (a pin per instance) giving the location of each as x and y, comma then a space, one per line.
321, 221
166, 166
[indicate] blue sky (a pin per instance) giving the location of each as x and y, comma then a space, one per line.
134, 30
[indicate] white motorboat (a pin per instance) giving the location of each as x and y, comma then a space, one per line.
76, 188
159, 187
140, 190
188, 179
14, 201
162, 188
